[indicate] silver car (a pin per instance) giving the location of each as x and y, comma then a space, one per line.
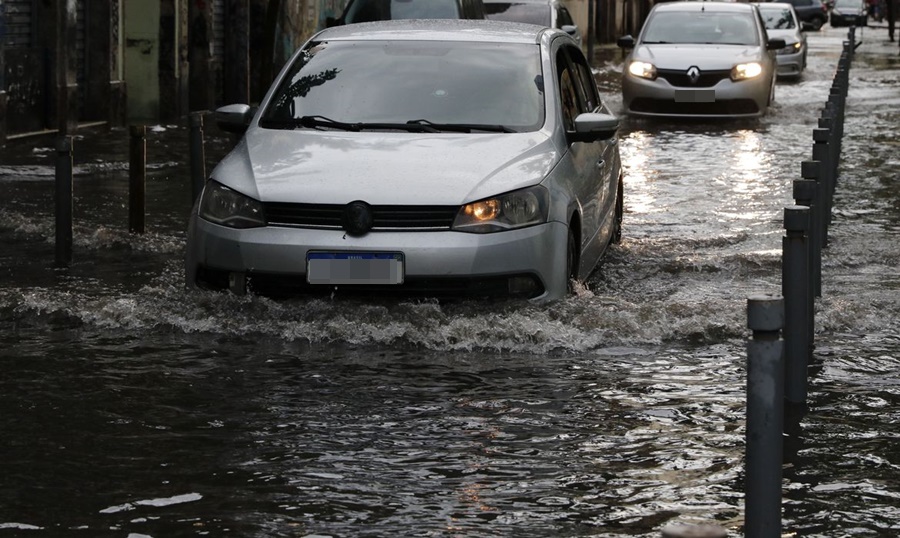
444, 158
781, 21
552, 13
710, 59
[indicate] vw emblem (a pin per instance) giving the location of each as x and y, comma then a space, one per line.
693, 74
357, 218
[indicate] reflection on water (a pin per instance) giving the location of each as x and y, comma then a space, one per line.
131, 407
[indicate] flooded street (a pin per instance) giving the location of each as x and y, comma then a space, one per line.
131, 408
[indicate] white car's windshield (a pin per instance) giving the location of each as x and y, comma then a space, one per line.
777, 19
364, 84
701, 27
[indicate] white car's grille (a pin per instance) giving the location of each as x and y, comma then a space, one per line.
392, 217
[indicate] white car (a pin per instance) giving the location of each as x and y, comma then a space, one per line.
709, 59
444, 158
781, 21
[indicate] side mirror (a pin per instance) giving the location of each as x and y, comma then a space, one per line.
234, 118
594, 126
625, 42
775, 44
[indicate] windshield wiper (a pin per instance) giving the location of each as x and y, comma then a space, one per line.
313, 122
462, 127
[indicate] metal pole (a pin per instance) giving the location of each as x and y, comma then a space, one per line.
63, 200
765, 417
137, 175
811, 170
804, 194
795, 288
822, 153
198, 155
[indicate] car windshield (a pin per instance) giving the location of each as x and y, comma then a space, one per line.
848, 4
355, 85
701, 27
777, 19
518, 12
384, 10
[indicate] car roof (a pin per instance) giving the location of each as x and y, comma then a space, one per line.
692, 5
461, 30
773, 5
544, 2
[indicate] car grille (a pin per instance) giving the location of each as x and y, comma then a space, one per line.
707, 79
732, 107
385, 217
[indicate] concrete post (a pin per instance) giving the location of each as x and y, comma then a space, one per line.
63, 200
765, 417
137, 175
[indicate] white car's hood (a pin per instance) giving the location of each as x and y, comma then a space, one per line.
705, 57
334, 167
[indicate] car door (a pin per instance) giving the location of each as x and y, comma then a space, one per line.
591, 163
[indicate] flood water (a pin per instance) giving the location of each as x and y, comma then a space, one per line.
131, 408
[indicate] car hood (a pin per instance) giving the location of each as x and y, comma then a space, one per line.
333, 167
706, 57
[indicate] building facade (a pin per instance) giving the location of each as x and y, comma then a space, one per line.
66, 64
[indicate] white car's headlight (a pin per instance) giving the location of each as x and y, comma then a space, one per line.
746, 71
517, 209
642, 69
230, 208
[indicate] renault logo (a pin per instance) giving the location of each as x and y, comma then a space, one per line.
357, 218
693, 74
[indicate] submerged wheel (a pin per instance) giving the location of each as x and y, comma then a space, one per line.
571, 259
620, 215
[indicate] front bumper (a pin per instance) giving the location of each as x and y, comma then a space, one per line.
273, 259
791, 64
746, 98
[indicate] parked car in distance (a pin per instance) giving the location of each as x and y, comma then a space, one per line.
849, 13
552, 13
781, 21
478, 160
813, 12
707, 59
383, 10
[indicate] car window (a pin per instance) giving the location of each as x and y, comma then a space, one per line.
518, 12
401, 81
379, 10
574, 98
701, 27
777, 19
585, 80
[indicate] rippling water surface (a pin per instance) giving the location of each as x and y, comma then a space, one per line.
130, 408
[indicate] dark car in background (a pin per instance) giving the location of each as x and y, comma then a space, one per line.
812, 12
849, 13
384, 10
550, 13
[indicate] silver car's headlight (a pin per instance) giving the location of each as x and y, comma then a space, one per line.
517, 209
642, 70
230, 208
746, 71
791, 48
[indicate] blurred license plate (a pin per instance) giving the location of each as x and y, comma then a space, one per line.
695, 96
354, 268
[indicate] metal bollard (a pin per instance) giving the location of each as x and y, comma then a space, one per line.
137, 176
822, 152
63, 201
198, 155
765, 417
809, 195
795, 288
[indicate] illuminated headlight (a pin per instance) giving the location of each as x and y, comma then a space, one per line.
791, 48
230, 208
642, 69
746, 71
518, 209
